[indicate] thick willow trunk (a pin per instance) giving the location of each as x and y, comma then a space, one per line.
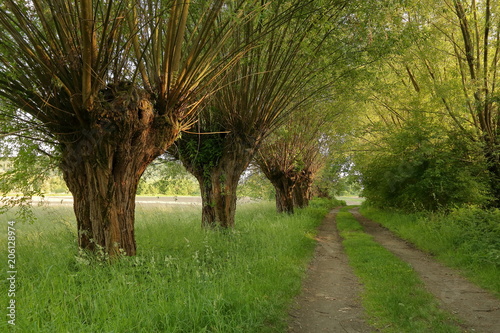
283, 186
302, 189
283, 183
218, 193
104, 204
102, 168
217, 164
301, 195
104, 199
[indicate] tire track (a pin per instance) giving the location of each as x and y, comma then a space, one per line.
330, 300
478, 309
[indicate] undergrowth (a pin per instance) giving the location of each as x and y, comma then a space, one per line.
184, 278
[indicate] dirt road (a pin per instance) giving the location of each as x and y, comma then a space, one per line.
330, 300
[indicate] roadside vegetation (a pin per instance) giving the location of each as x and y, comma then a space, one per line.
394, 297
466, 238
183, 279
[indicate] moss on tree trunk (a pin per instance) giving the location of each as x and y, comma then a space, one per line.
217, 161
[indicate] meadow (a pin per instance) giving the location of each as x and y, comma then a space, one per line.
184, 278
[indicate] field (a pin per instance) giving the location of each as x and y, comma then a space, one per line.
185, 279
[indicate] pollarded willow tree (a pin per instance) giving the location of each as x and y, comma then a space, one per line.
111, 85
292, 156
254, 97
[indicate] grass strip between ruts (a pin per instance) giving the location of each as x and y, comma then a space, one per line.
393, 297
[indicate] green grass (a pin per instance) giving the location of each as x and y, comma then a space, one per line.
393, 297
184, 279
467, 239
352, 200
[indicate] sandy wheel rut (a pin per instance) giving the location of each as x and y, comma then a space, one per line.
478, 309
330, 299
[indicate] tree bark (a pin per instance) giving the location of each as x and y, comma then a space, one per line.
284, 186
302, 189
102, 167
284, 198
217, 163
283, 182
104, 206
218, 193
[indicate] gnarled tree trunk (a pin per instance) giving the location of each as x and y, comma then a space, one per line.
283, 186
302, 189
102, 167
218, 193
104, 204
217, 162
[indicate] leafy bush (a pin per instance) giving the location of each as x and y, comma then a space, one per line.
425, 168
326, 202
474, 231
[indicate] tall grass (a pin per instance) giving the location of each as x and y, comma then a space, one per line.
184, 279
394, 297
466, 238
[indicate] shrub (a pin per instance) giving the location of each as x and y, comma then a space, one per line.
425, 168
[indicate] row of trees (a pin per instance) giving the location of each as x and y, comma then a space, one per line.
103, 88
100, 89
110, 85
275, 81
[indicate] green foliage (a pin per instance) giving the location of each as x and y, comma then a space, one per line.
24, 178
55, 184
204, 152
184, 279
201, 152
394, 297
338, 179
426, 82
256, 185
178, 186
167, 178
465, 238
424, 167
334, 202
